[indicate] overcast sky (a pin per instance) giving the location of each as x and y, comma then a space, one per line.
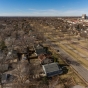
43, 7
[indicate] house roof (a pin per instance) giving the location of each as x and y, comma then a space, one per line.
39, 49
42, 57
4, 67
7, 78
3, 78
1, 54
11, 55
51, 69
12, 52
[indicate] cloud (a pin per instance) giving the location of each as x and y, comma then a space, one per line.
48, 12
54, 12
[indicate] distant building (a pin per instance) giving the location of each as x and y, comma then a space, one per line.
83, 16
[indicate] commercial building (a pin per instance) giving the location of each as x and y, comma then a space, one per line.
83, 16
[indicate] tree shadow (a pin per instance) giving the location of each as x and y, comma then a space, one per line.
33, 57
65, 70
61, 65
72, 62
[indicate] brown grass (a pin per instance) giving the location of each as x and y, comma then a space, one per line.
75, 56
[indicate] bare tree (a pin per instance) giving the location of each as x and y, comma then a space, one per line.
22, 74
2, 63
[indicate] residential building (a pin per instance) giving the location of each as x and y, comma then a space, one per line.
7, 78
45, 59
11, 55
4, 67
39, 49
52, 69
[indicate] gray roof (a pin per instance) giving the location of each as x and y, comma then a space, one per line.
11, 55
39, 49
52, 69
1, 55
4, 67
6, 78
14, 52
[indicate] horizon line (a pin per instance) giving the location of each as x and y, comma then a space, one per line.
40, 16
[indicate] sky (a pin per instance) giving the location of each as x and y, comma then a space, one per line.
43, 7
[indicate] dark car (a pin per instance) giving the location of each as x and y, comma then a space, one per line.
58, 51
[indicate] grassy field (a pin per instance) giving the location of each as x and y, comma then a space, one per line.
79, 49
75, 55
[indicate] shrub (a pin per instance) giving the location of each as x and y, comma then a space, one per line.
2, 45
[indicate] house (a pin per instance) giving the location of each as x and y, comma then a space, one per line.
5, 67
39, 49
11, 55
1, 55
45, 59
6, 78
41, 57
52, 69
14, 53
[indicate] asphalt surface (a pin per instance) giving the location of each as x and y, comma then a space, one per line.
83, 72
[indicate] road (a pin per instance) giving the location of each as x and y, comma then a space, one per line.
83, 72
